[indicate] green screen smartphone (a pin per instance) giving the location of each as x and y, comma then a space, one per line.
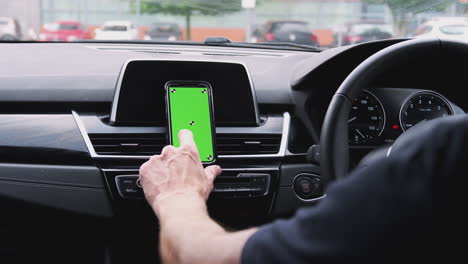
189, 106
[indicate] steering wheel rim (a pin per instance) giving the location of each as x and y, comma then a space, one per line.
334, 148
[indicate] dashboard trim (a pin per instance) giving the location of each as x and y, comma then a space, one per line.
115, 101
223, 169
312, 199
281, 152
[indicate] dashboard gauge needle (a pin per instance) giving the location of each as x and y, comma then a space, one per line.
352, 119
359, 132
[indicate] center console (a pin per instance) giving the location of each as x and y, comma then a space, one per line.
251, 146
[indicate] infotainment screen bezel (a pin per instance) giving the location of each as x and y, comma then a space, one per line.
254, 120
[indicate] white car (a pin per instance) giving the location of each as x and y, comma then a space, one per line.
9, 29
117, 30
444, 28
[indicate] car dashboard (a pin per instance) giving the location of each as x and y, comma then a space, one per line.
78, 120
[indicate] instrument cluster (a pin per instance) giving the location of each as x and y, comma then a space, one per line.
380, 115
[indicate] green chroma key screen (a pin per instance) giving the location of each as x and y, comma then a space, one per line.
190, 108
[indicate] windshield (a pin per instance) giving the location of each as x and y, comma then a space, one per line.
455, 29
164, 27
60, 26
318, 23
362, 28
114, 28
290, 27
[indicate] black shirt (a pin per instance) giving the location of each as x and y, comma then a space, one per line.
388, 210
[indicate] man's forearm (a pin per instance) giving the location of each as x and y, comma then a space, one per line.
189, 235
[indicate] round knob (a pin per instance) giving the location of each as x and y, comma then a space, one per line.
308, 186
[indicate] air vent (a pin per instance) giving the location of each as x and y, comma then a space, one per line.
128, 144
257, 144
151, 144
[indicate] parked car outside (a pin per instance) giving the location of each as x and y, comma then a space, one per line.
117, 30
364, 31
10, 29
287, 31
63, 31
164, 31
444, 28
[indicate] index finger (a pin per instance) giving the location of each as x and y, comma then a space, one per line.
185, 137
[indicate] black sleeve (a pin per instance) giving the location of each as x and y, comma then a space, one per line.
378, 212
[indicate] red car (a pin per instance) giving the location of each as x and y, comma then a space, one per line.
63, 31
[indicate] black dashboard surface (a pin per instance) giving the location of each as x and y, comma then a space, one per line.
89, 72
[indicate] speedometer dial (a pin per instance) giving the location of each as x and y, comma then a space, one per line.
366, 119
422, 106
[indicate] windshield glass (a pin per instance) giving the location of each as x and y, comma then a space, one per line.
455, 29
164, 27
290, 27
317, 23
60, 26
362, 28
68, 27
114, 28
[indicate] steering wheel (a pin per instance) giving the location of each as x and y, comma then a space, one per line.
334, 148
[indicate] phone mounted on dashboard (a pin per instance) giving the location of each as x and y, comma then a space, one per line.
189, 105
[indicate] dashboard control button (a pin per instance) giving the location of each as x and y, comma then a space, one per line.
128, 181
128, 186
308, 186
305, 186
129, 190
244, 185
138, 183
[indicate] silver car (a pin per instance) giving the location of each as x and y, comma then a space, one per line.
9, 29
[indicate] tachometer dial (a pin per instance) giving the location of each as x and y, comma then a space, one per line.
422, 106
366, 119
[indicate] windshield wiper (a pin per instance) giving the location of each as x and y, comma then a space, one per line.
222, 41
216, 41
289, 45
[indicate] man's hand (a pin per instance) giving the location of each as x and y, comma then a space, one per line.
177, 173
177, 187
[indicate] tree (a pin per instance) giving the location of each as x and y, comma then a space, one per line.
188, 8
402, 8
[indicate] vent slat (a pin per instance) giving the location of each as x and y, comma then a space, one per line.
256, 144
129, 153
128, 144
245, 152
151, 144
237, 145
